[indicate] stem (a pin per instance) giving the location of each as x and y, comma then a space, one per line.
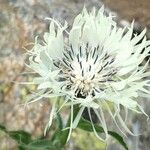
60, 136
75, 112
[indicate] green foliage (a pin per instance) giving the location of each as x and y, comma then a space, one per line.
20, 136
59, 121
86, 125
60, 136
87, 140
25, 141
118, 138
2, 128
43, 144
59, 139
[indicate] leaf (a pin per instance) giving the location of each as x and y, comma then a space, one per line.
59, 121
2, 128
20, 136
60, 136
44, 144
118, 138
86, 125
26, 143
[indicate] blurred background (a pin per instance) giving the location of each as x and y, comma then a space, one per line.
20, 22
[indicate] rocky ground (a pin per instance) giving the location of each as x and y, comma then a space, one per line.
20, 22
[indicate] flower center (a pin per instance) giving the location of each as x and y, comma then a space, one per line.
87, 71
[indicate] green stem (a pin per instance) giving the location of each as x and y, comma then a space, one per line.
60, 137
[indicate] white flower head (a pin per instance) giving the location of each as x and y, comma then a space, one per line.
94, 63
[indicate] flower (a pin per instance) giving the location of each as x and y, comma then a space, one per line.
93, 64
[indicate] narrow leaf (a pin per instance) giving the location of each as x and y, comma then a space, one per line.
60, 136
118, 138
44, 144
20, 136
86, 125
59, 121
